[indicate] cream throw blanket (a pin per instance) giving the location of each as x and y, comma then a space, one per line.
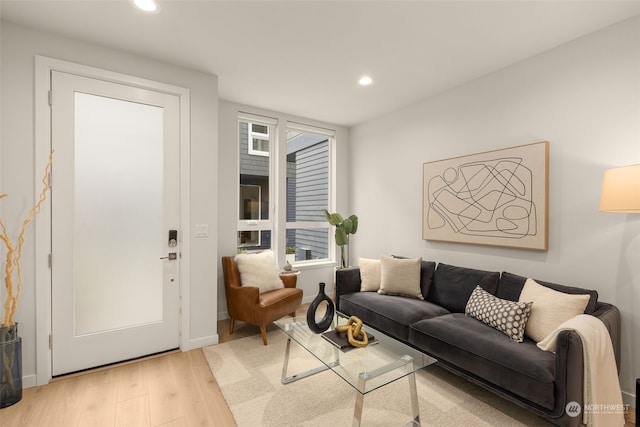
601, 384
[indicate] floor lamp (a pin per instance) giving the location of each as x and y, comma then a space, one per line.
621, 193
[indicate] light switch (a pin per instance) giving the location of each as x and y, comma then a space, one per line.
202, 230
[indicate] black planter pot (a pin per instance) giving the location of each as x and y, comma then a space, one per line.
637, 397
319, 326
10, 366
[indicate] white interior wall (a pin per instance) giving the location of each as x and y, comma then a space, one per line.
582, 97
19, 45
228, 171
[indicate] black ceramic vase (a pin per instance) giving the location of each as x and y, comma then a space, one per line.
10, 366
320, 300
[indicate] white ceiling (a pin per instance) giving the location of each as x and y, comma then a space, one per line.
305, 57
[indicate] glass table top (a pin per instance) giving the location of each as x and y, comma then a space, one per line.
365, 369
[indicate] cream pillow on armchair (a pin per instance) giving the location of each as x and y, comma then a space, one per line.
259, 270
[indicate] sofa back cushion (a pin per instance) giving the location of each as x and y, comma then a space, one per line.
427, 270
511, 286
452, 286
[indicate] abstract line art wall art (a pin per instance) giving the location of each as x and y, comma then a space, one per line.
497, 198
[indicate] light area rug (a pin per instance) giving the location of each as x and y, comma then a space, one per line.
249, 375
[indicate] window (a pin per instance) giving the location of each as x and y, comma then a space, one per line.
301, 191
254, 198
259, 137
308, 188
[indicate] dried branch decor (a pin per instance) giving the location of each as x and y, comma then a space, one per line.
14, 254
10, 342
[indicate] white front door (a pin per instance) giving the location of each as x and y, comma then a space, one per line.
115, 199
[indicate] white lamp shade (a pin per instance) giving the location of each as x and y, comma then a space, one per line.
621, 190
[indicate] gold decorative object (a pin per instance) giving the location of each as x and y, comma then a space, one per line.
354, 331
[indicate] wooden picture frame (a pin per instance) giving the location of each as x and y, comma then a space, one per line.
497, 198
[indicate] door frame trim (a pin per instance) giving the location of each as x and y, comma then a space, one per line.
43, 280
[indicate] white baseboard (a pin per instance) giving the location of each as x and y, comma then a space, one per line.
29, 381
202, 342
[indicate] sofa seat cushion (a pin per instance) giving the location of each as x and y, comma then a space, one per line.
521, 368
388, 313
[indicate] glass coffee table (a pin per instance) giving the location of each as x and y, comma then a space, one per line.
365, 369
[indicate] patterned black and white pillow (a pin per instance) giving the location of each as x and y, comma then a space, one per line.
508, 317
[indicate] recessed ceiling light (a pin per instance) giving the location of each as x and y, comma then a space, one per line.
365, 81
146, 5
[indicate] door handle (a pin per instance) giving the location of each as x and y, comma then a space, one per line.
171, 256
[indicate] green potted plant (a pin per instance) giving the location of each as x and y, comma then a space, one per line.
291, 254
344, 227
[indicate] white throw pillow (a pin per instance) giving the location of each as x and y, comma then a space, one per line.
550, 308
369, 274
400, 276
259, 270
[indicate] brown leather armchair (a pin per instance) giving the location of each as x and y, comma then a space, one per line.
247, 304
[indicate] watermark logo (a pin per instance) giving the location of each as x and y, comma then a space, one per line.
573, 409
616, 408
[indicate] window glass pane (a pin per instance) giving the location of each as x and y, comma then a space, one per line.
263, 129
254, 240
308, 243
254, 180
250, 201
261, 145
307, 176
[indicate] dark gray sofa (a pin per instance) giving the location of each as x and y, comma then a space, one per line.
538, 380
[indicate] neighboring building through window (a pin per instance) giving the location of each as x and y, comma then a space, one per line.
308, 188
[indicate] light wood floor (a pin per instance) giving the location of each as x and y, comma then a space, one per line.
173, 390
